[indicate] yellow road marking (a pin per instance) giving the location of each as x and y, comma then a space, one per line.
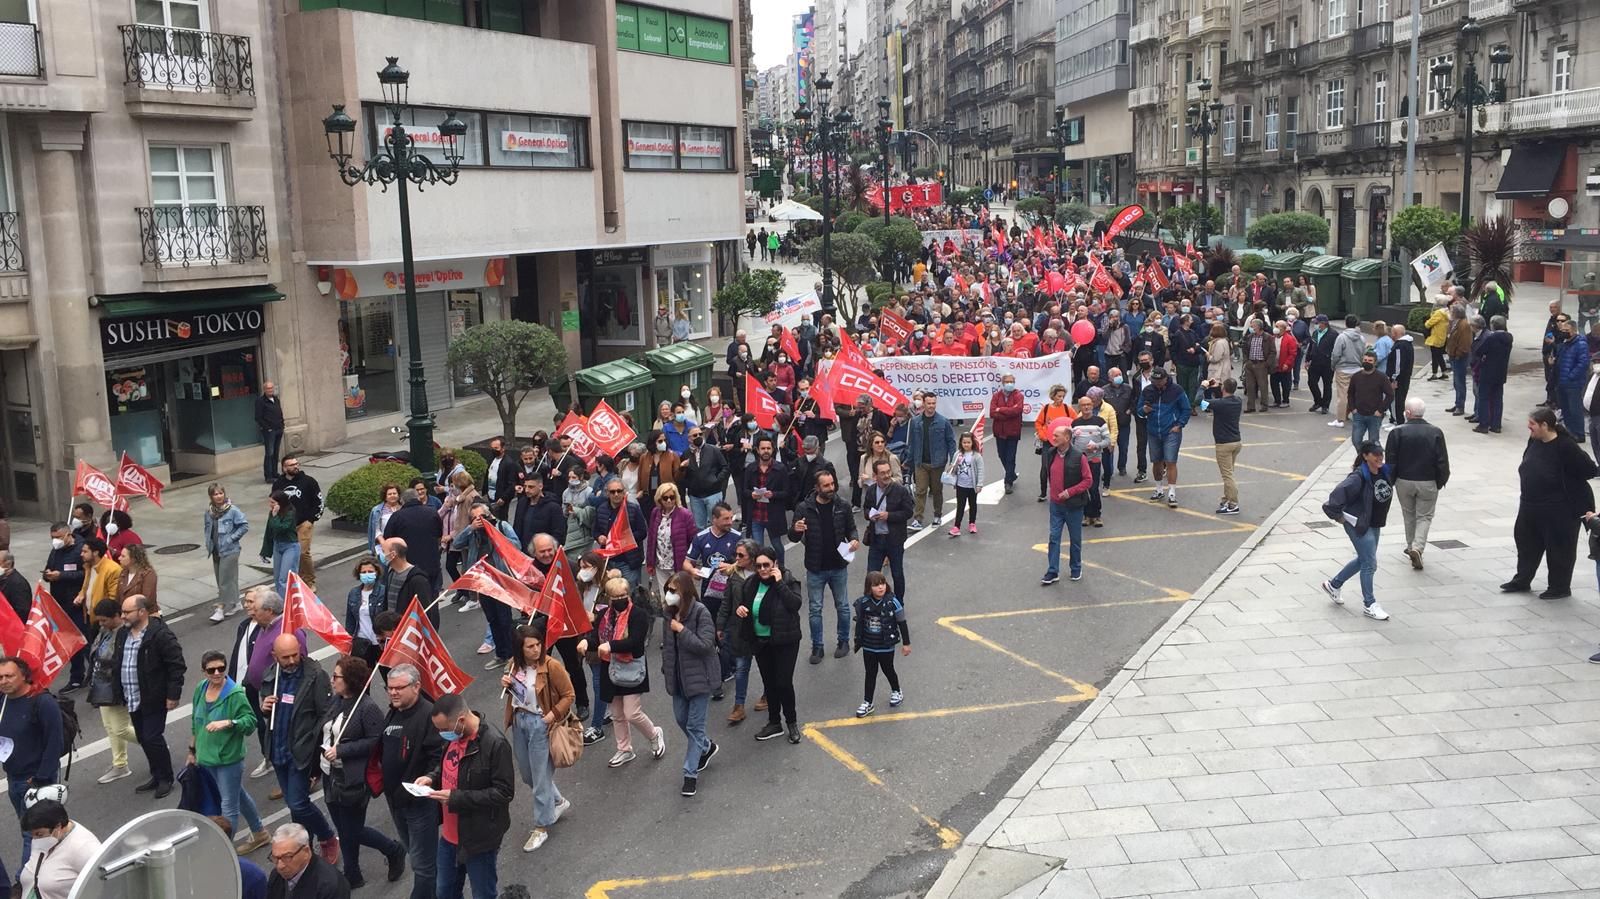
944, 713
1030, 663
1128, 496
1255, 424
949, 620
1253, 444
949, 837
602, 889
1282, 474
1170, 591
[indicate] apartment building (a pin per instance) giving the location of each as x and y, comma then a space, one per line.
1093, 73
978, 78
1033, 96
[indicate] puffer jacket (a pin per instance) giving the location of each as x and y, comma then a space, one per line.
780, 611
1572, 364
728, 624
1364, 496
689, 665
1438, 326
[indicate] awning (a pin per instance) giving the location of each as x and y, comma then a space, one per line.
1531, 171
130, 305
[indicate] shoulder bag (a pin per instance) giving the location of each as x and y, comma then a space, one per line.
566, 742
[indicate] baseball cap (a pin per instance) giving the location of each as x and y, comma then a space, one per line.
1322, 318
1159, 374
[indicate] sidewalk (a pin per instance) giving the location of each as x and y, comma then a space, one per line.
1266, 743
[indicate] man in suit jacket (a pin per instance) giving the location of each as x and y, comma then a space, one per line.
886, 503
300, 873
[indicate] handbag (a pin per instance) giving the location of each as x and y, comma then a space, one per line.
948, 478
566, 742
626, 674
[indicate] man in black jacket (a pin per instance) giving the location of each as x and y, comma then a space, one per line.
269, 422
411, 749
300, 698
804, 471
1416, 452
63, 571
821, 524
559, 461
149, 686
404, 582
1398, 364
705, 476
1319, 364
294, 860
539, 513
474, 785
887, 505
306, 495
418, 524
496, 484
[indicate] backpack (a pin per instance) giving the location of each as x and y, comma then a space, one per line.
69, 728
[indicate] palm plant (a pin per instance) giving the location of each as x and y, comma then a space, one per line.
1490, 248
1222, 262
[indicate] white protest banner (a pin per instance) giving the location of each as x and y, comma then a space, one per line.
790, 311
960, 237
964, 384
1433, 266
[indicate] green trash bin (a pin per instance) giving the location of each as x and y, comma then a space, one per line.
1284, 265
1362, 286
1399, 278
624, 384
1324, 274
675, 365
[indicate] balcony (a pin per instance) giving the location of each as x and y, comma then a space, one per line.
185, 73
1240, 71
1430, 20
186, 236
964, 96
1249, 149
1329, 49
11, 260
998, 88
1216, 18
999, 45
1373, 38
1285, 59
1306, 144
1038, 87
1371, 136
1547, 112
961, 57
20, 54
1488, 9
1149, 95
1145, 32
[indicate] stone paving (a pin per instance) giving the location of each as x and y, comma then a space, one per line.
1267, 743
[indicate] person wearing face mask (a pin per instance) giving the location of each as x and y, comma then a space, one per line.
62, 850
617, 502
473, 784
676, 429
364, 602
690, 670
83, 524
659, 464
1319, 365
808, 413
579, 512
620, 636
1260, 355
306, 495
118, 528
1369, 396
768, 618
807, 464
1005, 420
1282, 368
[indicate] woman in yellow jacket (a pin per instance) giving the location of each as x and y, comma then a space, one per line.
1438, 328
1057, 408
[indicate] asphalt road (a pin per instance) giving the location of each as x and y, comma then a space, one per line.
862, 807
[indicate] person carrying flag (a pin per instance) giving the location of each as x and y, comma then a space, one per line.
474, 544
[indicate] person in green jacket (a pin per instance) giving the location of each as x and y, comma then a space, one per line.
280, 544
222, 719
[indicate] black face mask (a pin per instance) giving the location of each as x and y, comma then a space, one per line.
619, 603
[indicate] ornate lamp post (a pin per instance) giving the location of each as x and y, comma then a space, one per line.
983, 144
400, 164
1062, 134
1204, 121
825, 140
1472, 94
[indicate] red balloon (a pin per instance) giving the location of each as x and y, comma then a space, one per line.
1082, 333
1062, 422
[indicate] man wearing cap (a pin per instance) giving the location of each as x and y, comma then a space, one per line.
1166, 410
1319, 365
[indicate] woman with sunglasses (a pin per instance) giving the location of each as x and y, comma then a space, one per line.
222, 719
350, 732
691, 670
620, 636
731, 635
769, 619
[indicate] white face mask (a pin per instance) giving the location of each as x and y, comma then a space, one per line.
671, 599
43, 845
586, 575
684, 394
57, 543
111, 528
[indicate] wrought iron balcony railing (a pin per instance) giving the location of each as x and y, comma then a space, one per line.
202, 235
184, 59
11, 259
20, 50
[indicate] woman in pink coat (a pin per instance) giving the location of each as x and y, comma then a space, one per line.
671, 529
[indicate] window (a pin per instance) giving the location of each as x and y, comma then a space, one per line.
1247, 122
1382, 11
1561, 71
187, 178
1172, 126
658, 145
1268, 35
1336, 18
422, 127
1269, 139
1294, 33
1222, 55
1380, 96
1230, 130
1333, 105
494, 15
1439, 93
1291, 116
541, 142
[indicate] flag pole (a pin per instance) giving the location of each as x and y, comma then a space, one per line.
359, 696
272, 716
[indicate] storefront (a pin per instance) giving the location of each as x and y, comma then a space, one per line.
684, 284
182, 376
611, 290
452, 296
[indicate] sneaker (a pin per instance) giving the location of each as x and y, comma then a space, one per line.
216, 614
330, 851
1335, 423
972, 528
794, 735
494, 663
769, 730
72, 687
471, 605
864, 709
955, 530
1222, 509
658, 744
1233, 509
115, 773
256, 841
690, 786
620, 759
1415, 557
1376, 612
1041, 498
705, 758
1333, 592
1157, 495
593, 735
816, 655
562, 807
1077, 576
1172, 499
234, 609
536, 839
716, 695
914, 525
1141, 477
485, 648
1595, 658
842, 650
262, 770
1049, 579
895, 698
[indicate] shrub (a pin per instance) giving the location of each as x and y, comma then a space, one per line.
1032, 206
1417, 317
1418, 228
850, 221
354, 495
1252, 263
754, 292
879, 293
1288, 231
476, 464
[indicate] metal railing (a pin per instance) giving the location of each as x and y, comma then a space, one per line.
1331, 48
1569, 109
1306, 143
1488, 9
184, 59
1281, 58
11, 259
1239, 70
1370, 136
1148, 95
1372, 38
1145, 32
20, 52
211, 235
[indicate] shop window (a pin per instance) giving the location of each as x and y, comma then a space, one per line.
214, 400
464, 310
618, 307
422, 126
651, 145
705, 148
683, 290
553, 142
663, 146
368, 359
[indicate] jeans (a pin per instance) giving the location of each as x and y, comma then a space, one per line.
1494, 404
456, 869
226, 570
285, 558
350, 822
417, 826
80, 659
235, 798
530, 745
895, 554
270, 442
16, 789
498, 614
150, 726
1571, 396
1006, 447
296, 786
1458, 377
598, 709
760, 533
741, 678
630, 573
1366, 427
701, 507
690, 713
1366, 562
1072, 517
838, 579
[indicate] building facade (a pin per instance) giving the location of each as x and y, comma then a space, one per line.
978, 81
1093, 73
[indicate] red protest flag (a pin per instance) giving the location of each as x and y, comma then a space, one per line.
759, 403
853, 380
519, 563
789, 344
850, 351
822, 392
608, 429
1188, 248
1102, 282
1157, 277
895, 327
620, 538
489, 581
11, 630
978, 432
415, 642
134, 479
303, 609
582, 444
92, 482
50, 640
562, 601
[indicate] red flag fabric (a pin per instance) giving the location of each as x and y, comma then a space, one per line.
822, 391
12, 630
978, 432
562, 601
50, 640
519, 563
1157, 277
1182, 264
1124, 217
851, 352
1188, 248
134, 479
759, 403
894, 327
851, 380
789, 345
489, 581
303, 609
415, 642
608, 429
620, 538
582, 444
1101, 282
92, 482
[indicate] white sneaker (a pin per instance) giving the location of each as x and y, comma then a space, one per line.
620, 759
115, 773
1333, 592
470, 605
485, 648
216, 614
234, 609
262, 770
658, 744
1335, 423
895, 698
562, 806
1376, 612
536, 839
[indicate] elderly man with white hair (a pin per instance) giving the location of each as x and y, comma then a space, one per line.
1069, 477
298, 872
1417, 454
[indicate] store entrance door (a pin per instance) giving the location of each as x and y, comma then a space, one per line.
19, 439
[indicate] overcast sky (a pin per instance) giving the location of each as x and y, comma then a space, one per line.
774, 30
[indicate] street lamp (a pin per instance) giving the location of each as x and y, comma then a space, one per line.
1470, 95
399, 163
984, 134
885, 129
1204, 121
1063, 135
823, 139
948, 135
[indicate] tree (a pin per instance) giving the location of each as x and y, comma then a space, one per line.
1418, 228
1184, 219
900, 237
1489, 249
1073, 214
506, 360
855, 259
1289, 231
1032, 206
754, 292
